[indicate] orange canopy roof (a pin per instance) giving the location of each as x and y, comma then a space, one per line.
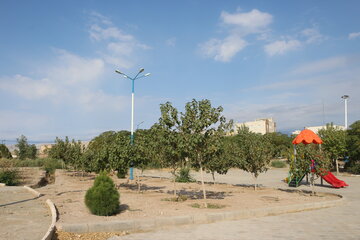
307, 136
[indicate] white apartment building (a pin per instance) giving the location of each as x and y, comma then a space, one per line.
316, 129
261, 125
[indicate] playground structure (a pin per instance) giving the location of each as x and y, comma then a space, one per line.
307, 136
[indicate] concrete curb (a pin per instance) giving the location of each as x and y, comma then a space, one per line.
158, 223
34, 192
49, 234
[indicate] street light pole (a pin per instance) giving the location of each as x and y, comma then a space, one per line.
345, 97
132, 106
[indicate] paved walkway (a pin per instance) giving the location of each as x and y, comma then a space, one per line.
21, 215
342, 222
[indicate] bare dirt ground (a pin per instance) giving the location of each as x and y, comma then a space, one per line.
155, 198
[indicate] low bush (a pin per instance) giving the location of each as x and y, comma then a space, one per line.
9, 176
103, 198
180, 198
278, 164
121, 173
354, 168
50, 165
184, 176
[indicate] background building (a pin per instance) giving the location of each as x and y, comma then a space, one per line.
316, 129
262, 125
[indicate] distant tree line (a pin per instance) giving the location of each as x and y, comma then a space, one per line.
199, 138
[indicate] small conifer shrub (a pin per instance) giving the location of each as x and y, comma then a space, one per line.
103, 198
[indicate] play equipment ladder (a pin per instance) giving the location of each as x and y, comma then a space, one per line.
294, 180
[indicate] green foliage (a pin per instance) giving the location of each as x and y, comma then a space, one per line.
354, 168
184, 175
25, 150
222, 161
281, 144
170, 145
254, 152
8, 173
68, 152
202, 127
38, 162
113, 151
278, 164
305, 153
353, 142
9, 176
334, 141
4, 152
103, 198
50, 165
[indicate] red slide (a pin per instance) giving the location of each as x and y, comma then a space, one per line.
334, 181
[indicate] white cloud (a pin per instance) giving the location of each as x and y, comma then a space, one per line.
99, 33
354, 35
27, 87
15, 123
281, 47
241, 25
312, 35
72, 69
171, 42
253, 21
324, 65
223, 50
297, 99
67, 80
121, 48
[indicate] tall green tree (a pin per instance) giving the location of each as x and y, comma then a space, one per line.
169, 139
334, 141
4, 152
281, 144
353, 142
201, 127
70, 152
112, 151
254, 152
24, 149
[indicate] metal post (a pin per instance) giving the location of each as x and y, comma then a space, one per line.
131, 177
346, 121
132, 124
345, 97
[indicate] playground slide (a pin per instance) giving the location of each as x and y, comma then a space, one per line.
334, 181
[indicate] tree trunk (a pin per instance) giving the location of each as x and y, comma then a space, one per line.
174, 182
337, 167
312, 178
213, 176
138, 180
203, 185
255, 178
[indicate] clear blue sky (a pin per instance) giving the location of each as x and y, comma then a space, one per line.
290, 60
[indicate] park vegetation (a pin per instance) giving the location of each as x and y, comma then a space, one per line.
103, 198
198, 138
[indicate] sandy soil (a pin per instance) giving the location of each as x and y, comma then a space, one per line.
153, 200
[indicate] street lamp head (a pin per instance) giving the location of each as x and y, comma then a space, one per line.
141, 70
345, 97
147, 74
117, 71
